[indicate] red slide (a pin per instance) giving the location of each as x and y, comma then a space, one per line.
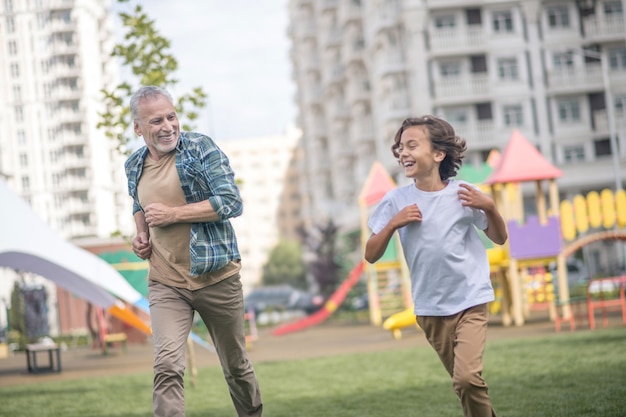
329, 308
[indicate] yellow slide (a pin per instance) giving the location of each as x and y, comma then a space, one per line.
397, 321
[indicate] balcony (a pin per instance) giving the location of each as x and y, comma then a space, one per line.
60, 25
457, 39
349, 12
330, 37
604, 27
601, 121
63, 48
575, 79
464, 86
61, 4
356, 91
485, 134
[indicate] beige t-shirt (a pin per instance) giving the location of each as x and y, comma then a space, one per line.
170, 262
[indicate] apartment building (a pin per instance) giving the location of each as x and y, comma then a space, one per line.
54, 61
263, 169
488, 67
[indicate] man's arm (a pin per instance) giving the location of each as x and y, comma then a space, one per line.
157, 214
141, 243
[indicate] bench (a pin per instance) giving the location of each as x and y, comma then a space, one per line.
605, 293
110, 338
31, 357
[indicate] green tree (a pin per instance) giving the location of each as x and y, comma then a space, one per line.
326, 266
285, 266
147, 54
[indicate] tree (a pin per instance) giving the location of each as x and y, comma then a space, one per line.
285, 266
325, 266
147, 55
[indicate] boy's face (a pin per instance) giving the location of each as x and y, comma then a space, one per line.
416, 154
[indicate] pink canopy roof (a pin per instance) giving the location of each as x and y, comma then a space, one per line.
521, 161
376, 185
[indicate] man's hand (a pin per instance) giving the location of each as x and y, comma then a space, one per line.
158, 215
141, 245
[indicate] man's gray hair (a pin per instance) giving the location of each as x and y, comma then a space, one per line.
145, 92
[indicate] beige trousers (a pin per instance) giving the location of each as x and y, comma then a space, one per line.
221, 308
459, 340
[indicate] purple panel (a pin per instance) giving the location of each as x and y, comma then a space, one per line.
533, 240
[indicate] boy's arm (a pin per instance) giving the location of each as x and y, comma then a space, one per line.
377, 243
496, 228
472, 197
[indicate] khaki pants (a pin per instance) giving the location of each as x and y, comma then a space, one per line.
221, 308
459, 340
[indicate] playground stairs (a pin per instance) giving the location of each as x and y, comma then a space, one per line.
390, 292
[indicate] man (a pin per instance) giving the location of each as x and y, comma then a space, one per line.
184, 193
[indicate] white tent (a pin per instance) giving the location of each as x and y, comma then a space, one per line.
28, 244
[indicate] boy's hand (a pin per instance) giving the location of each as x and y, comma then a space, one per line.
407, 215
471, 197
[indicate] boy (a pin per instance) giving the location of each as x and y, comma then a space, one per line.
435, 218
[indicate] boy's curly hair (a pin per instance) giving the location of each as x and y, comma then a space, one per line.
442, 137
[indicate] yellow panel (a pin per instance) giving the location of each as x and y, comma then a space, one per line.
568, 227
608, 208
594, 210
581, 216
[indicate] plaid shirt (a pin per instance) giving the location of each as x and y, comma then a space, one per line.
205, 174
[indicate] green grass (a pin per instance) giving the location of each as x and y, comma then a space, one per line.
561, 375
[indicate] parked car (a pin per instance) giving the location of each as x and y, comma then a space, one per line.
282, 298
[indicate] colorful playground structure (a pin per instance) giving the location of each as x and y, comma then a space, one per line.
520, 267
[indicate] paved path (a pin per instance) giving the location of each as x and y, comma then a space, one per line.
332, 338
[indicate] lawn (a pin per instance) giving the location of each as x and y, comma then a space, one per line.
561, 375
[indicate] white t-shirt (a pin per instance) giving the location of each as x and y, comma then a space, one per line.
448, 261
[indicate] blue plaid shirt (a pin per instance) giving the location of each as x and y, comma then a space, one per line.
205, 174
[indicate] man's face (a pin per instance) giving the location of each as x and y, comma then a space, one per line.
158, 124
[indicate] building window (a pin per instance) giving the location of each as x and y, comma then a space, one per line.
10, 25
21, 137
12, 48
513, 115
25, 184
602, 147
483, 111
19, 114
507, 69
613, 8
574, 153
503, 21
8, 5
563, 60
620, 104
23, 160
617, 58
17, 93
456, 116
569, 111
473, 17
445, 22
450, 69
15, 70
558, 17
478, 64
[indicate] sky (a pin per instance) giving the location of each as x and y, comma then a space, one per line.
238, 52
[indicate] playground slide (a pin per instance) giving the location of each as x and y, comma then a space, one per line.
329, 308
397, 321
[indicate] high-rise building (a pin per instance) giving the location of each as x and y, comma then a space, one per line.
55, 58
271, 203
488, 67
